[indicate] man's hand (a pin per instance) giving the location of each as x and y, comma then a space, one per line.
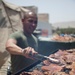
29, 52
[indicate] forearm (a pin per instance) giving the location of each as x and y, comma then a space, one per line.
14, 49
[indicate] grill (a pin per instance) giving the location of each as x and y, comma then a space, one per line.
68, 61
35, 65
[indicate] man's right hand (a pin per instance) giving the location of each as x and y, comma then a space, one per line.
29, 52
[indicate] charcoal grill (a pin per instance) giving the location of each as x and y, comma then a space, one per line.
38, 64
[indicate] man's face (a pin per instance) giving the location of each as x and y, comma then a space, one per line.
30, 24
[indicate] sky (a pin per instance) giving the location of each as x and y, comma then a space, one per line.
58, 10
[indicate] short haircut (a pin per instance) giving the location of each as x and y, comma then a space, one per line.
29, 12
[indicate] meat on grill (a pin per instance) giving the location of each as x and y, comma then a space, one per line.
62, 56
52, 67
63, 38
35, 72
68, 60
67, 57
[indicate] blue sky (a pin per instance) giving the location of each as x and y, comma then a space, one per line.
58, 10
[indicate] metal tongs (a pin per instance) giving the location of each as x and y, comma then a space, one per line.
42, 57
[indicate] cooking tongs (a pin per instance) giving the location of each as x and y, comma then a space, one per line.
42, 57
